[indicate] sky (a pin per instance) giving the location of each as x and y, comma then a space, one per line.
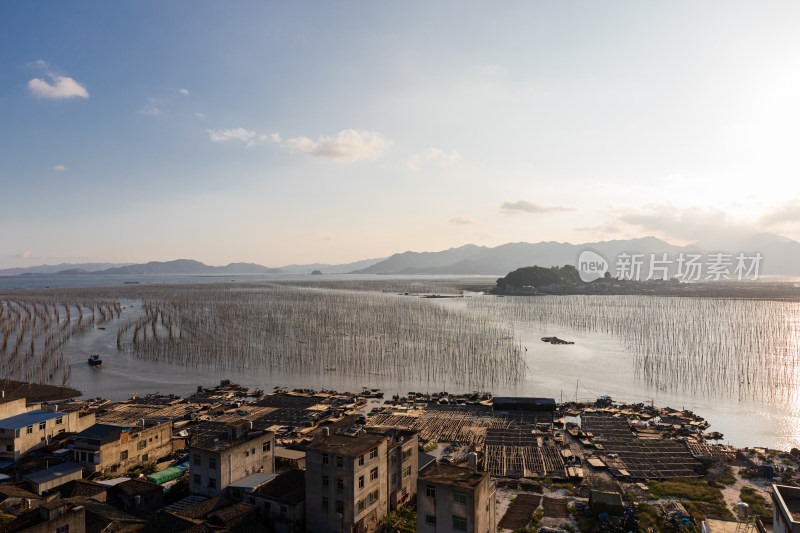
300, 132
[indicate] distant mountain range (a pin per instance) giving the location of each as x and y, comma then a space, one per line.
781, 256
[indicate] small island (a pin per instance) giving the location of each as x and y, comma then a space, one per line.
316, 272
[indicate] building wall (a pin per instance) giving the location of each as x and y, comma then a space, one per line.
13, 407
230, 464
74, 520
14, 447
781, 518
403, 459
319, 519
292, 519
479, 509
134, 447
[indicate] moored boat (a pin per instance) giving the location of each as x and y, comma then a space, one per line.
94, 360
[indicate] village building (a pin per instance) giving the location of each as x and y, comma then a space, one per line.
109, 449
346, 483
451, 498
36, 428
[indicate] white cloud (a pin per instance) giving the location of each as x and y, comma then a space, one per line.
461, 220
236, 134
60, 168
184, 92
200, 116
447, 159
348, 145
59, 87
524, 206
413, 163
151, 108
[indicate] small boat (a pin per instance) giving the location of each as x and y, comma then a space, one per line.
94, 360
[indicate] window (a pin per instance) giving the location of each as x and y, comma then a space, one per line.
339, 485
339, 506
196, 479
324, 481
360, 482
373, 474
373, 454
60, 420
16, 433
373, 497
63, 529
394, 479
141, 444
29, 430
150, 439
123, 455
459, 523
265, 447
212, 483
246, 453
339, 462
430, 520
324, 458
10, 448
198, 461
145, 457
459, 496
407, 454
430, 491
284, 509
42, 425
360, 460
156, 437
406, 472
361, 505
325, 504
212, 463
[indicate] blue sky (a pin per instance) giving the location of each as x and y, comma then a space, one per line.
336, 131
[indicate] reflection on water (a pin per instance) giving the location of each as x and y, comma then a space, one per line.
597, 364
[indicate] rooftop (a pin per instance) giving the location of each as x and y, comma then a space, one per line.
253, 481
452, 475
101, 432
289, 488
223, 443
53, 473
352, 446
133, 487
789, 499
28, 419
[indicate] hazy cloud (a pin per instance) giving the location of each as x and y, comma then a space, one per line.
347, 145
200, 116
524, 206
601, 229
437, 153
60, 168
414, 162
24, 254
59, 87
461, 220
687, 223
184, 92
787, 212
151, 108
238, 134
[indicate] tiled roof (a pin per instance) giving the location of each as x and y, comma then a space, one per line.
204, 508
81, 487
236, 514
137, 486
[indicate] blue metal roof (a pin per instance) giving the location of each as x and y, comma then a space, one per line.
28, 419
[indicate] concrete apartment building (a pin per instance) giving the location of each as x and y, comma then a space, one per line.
346, 483
36, 428
403, 467
785, 509
111, 449
451, 498
217, 462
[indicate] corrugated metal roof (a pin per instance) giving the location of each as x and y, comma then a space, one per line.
56, 472
28, 419
253, 481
